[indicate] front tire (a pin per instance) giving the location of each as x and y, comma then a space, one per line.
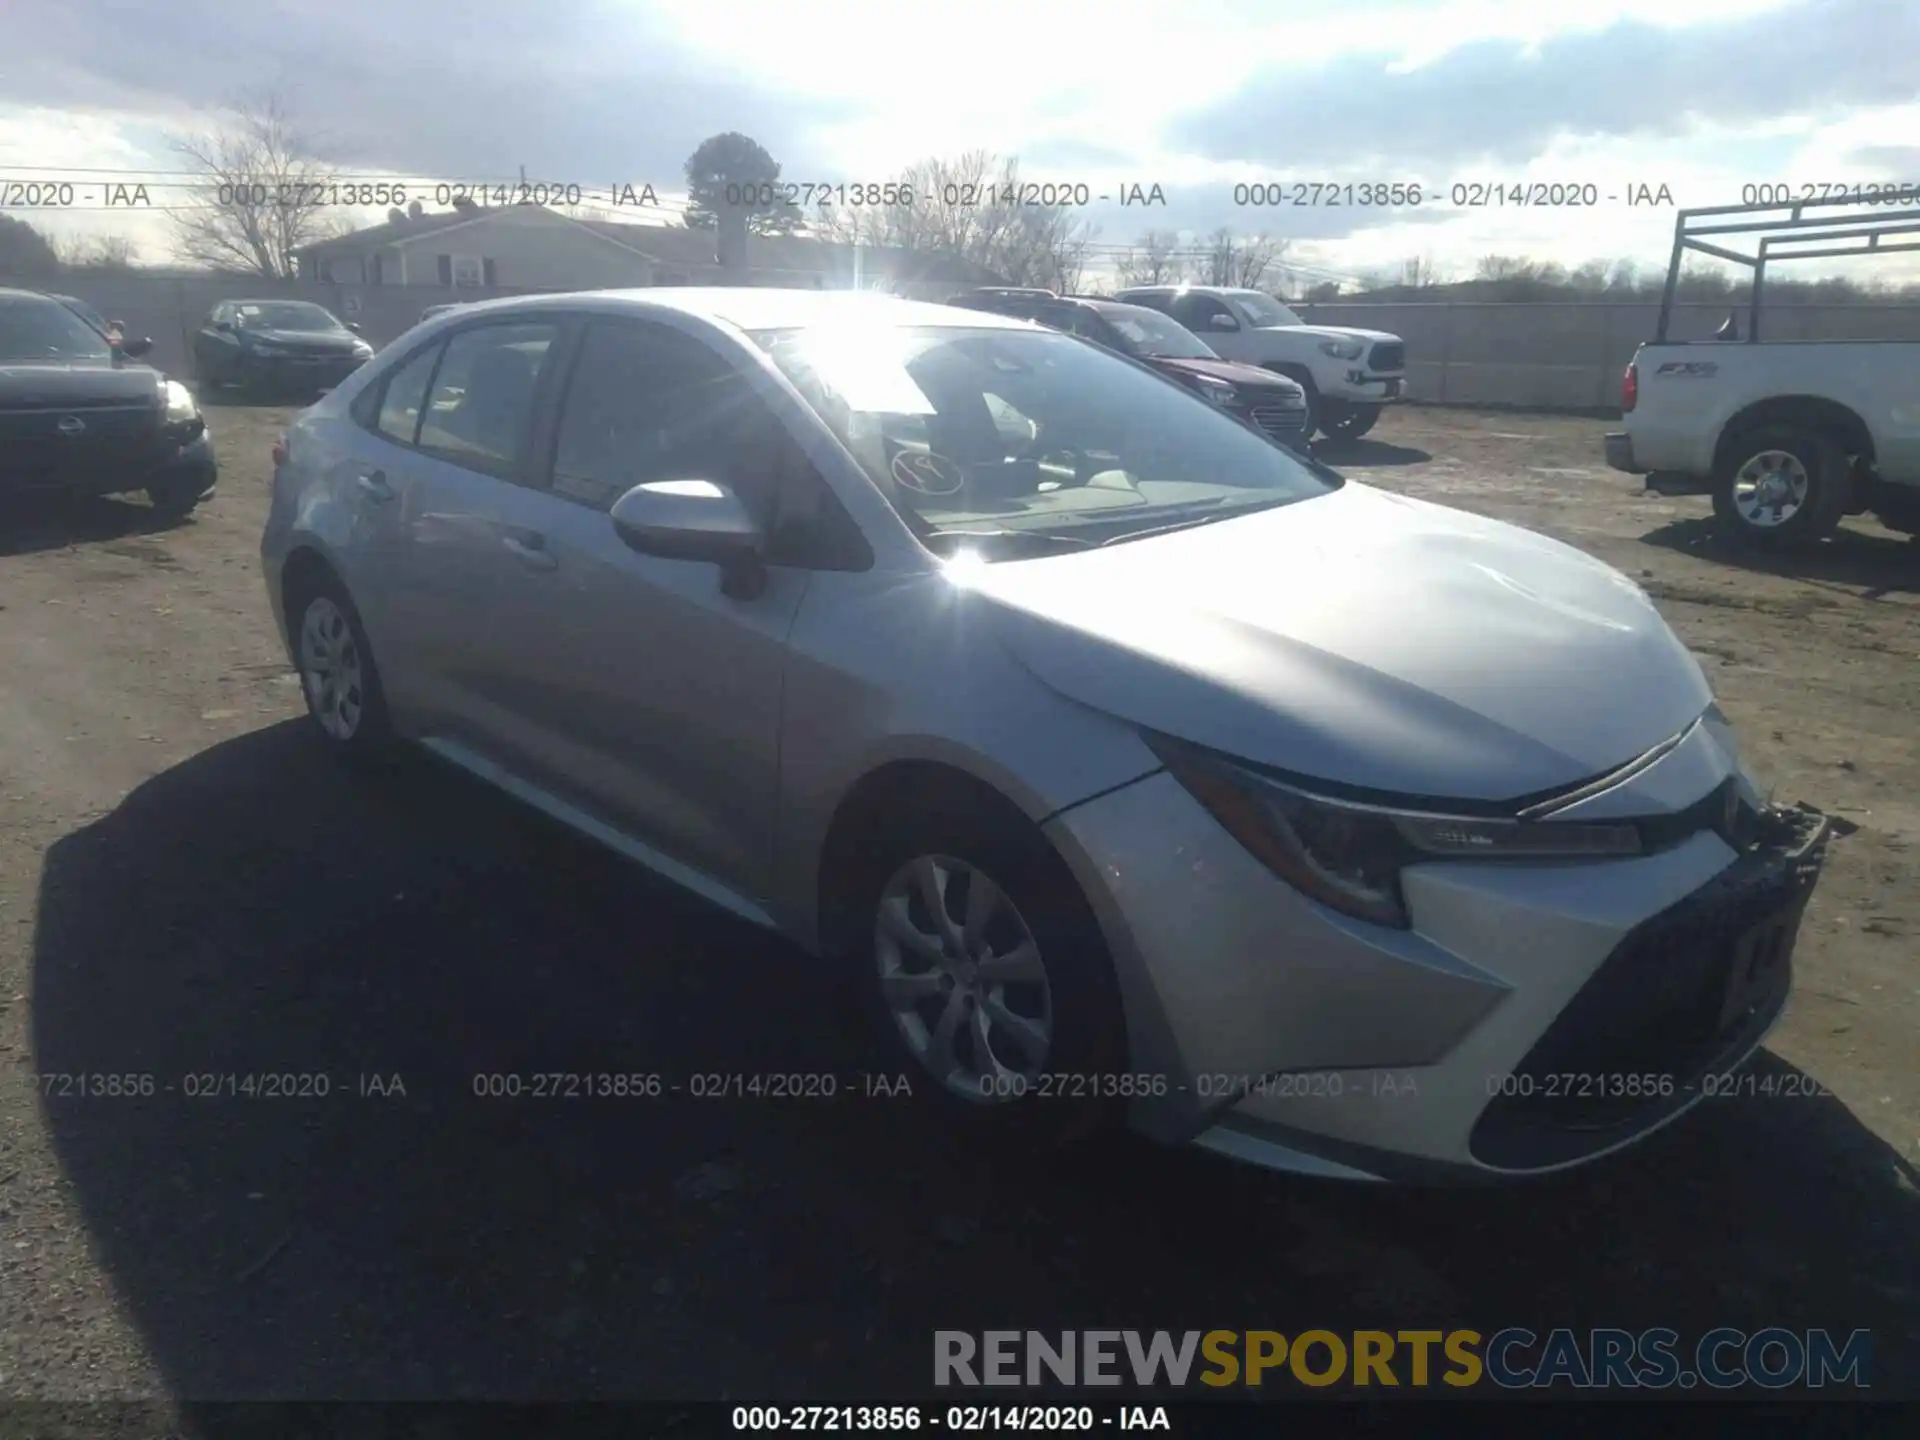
176, 501
987, 979
1343, 420
338, 677
1780, 487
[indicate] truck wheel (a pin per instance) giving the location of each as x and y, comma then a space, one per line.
1781, 487
1346, 421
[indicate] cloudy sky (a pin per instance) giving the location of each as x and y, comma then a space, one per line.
1704, 97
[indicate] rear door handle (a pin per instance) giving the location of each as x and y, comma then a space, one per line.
373, 484
531, 550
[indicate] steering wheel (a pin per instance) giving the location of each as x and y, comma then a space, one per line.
1035, 452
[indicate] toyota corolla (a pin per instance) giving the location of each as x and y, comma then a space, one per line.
1140, 770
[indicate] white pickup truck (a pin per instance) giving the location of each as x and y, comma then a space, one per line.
1788, 437
1348, 374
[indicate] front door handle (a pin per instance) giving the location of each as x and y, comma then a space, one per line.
373, 484
531, 550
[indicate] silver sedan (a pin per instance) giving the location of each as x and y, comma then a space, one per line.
1141, 770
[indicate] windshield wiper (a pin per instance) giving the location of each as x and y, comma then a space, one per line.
1194, 521
947, 541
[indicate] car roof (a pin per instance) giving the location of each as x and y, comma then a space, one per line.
752, 307
13, 292
276, 300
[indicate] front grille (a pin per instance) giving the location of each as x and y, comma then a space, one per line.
1661, 1005
1282, 422
1387, 356
33, 447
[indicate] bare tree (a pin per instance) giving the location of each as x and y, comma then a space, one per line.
969, 208
1419, 272
96, 252
1239, 262
1153, 259
264, 193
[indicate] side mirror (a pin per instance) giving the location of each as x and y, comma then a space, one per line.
224, 326
134, 349
1222, 322
694, 520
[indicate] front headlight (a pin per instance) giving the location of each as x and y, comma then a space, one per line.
1343, 349
1218, 391
1348, 855
362, 351
180, 404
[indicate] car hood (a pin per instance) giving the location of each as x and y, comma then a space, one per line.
98, 382
1329, 332
304, 339
1361, 638
1251, 376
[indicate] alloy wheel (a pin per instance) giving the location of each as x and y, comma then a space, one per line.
963, 977
330, 669
1770, 489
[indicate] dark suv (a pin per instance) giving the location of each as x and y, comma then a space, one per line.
1270, 403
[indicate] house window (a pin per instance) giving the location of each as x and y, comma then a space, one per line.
323, 271
468, 271
446, 269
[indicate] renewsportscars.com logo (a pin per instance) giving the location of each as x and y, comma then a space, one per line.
1514, 1358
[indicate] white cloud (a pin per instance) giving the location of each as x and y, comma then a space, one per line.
1702, 97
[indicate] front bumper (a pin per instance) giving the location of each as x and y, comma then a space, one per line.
1499, 1037
298, 373
1362, 387
174, 467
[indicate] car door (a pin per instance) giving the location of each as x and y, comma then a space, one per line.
659, 696
374, 475
463, 572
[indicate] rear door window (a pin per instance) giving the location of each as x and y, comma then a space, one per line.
481, 404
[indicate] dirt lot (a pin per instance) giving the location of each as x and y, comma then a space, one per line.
187, 889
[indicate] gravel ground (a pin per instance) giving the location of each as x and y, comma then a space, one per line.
187, 889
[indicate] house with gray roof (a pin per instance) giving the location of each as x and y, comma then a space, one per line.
518, 248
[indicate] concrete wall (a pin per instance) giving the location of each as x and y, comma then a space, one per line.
169, 311
1571, 356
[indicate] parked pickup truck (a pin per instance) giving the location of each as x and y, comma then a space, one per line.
1348, 374
1788, 437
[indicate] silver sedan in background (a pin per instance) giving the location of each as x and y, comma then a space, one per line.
1141, 770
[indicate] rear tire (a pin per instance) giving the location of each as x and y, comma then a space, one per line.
1024, 992
338, 677
1781, 487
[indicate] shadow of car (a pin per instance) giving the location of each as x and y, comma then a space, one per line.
1880, 564
437, 1221
31, 525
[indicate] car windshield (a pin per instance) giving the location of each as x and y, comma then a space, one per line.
86, 312
1017, 435
1264, 309
1151, 333
283, 315
33, 329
